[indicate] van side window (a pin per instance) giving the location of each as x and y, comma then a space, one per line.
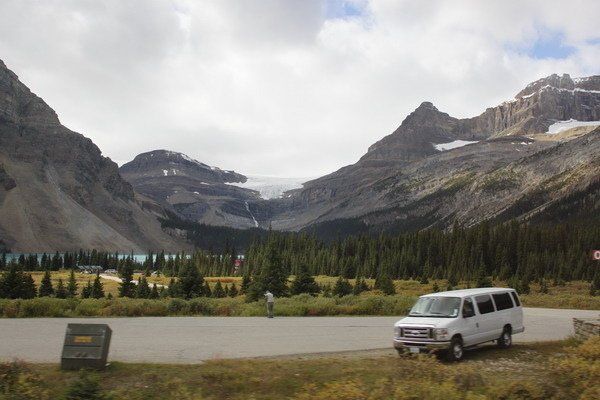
484, 304
515, 298
468, 310
502, 301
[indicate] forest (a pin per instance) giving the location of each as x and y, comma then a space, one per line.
512, 252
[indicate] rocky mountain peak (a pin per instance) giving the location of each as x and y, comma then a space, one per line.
165, 163
19, 105
553, 81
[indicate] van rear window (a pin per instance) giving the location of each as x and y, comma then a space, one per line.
515, 298
502, 301
484, 304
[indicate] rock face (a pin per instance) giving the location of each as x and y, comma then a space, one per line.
194, 190
57, 191
405, 182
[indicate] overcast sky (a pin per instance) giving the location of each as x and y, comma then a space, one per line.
282, 88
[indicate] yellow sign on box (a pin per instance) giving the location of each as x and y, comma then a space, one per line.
82, 339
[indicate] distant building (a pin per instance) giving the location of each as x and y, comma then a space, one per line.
89, 269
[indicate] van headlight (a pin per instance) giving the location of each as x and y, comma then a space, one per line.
441, 334
397, 331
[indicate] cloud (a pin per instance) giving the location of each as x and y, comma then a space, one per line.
291, 88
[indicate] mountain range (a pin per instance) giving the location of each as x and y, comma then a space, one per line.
534, 157
57, 191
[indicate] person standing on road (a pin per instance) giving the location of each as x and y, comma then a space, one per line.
270, 302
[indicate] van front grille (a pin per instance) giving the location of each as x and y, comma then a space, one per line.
416, 333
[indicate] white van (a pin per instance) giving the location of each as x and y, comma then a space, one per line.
459, 319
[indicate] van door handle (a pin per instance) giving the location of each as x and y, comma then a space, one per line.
477, 324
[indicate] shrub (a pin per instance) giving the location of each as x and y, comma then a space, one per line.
85, 387
580, 370
18, 382
177, 307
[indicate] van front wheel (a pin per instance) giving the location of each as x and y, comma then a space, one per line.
456, 350
505, 339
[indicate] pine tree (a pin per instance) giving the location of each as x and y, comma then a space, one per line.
191, 282
272, 276
342, 287
327, 291
233, 291
385, 283
154, 293
97, 288
206, 290
245, 284
72, 285
86, 292
85, 387
127, 288
218, 291
142, 291
61, 290
304, 282
28, 289
46, 289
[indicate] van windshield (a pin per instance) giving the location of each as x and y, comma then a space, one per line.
444, 307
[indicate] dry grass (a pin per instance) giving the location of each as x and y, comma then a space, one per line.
528, 371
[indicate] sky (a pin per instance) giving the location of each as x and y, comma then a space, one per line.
296, 88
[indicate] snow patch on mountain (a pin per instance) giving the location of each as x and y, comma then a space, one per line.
452, 145
561, 126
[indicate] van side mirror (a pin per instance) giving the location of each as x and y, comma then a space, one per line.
468, 313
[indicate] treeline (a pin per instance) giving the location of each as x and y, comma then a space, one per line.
560, 252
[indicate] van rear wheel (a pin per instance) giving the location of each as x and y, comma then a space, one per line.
505, 339
456, 351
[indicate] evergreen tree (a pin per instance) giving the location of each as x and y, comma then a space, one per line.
207, 290
483, 280
154, 293
85, 387
97, 288
190, 281
127, 287
233, 291
327, 291
174, 289
142, 291
218, 291
46, 289
272, 275
342, 287
86, 292
385, 284
72, 285
304, 282
61, 290
28, 289
360, 286
245, 284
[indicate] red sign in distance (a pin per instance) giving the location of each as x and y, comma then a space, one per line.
596, 255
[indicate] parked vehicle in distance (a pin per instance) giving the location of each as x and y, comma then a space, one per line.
458, 319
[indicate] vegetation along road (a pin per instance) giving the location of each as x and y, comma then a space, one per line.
195, 339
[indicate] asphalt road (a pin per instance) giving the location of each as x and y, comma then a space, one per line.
195, 339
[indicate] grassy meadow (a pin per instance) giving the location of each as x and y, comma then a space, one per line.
554, 370
571, 295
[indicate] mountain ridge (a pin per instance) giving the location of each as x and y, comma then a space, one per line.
58, 192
